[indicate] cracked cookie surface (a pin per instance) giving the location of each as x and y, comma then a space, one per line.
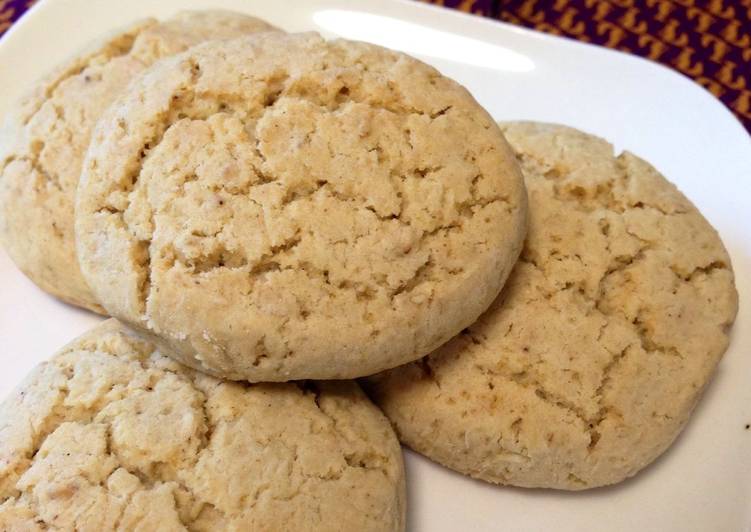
589, 363
112, 435
285, 207
46, 138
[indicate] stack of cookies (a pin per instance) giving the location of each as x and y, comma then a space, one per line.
265, 215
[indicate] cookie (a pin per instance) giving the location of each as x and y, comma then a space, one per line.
285, 208
45, 141
110, 434
589, 363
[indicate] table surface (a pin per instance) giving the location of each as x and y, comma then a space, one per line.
708, 41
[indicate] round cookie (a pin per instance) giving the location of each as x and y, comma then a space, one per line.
112, 435
46, 137
284, 208
589, 363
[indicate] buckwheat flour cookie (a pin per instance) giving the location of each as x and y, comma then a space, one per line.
283, 208
112, 435
590, 362
43, 145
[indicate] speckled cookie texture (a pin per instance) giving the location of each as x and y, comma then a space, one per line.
591, 360
284, 207
44, 142
112, 435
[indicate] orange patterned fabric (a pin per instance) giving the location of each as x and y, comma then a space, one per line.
11, 10
707, 40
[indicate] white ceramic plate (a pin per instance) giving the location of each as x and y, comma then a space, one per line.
703, 483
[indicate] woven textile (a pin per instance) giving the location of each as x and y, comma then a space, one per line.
707, 40
11, 11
